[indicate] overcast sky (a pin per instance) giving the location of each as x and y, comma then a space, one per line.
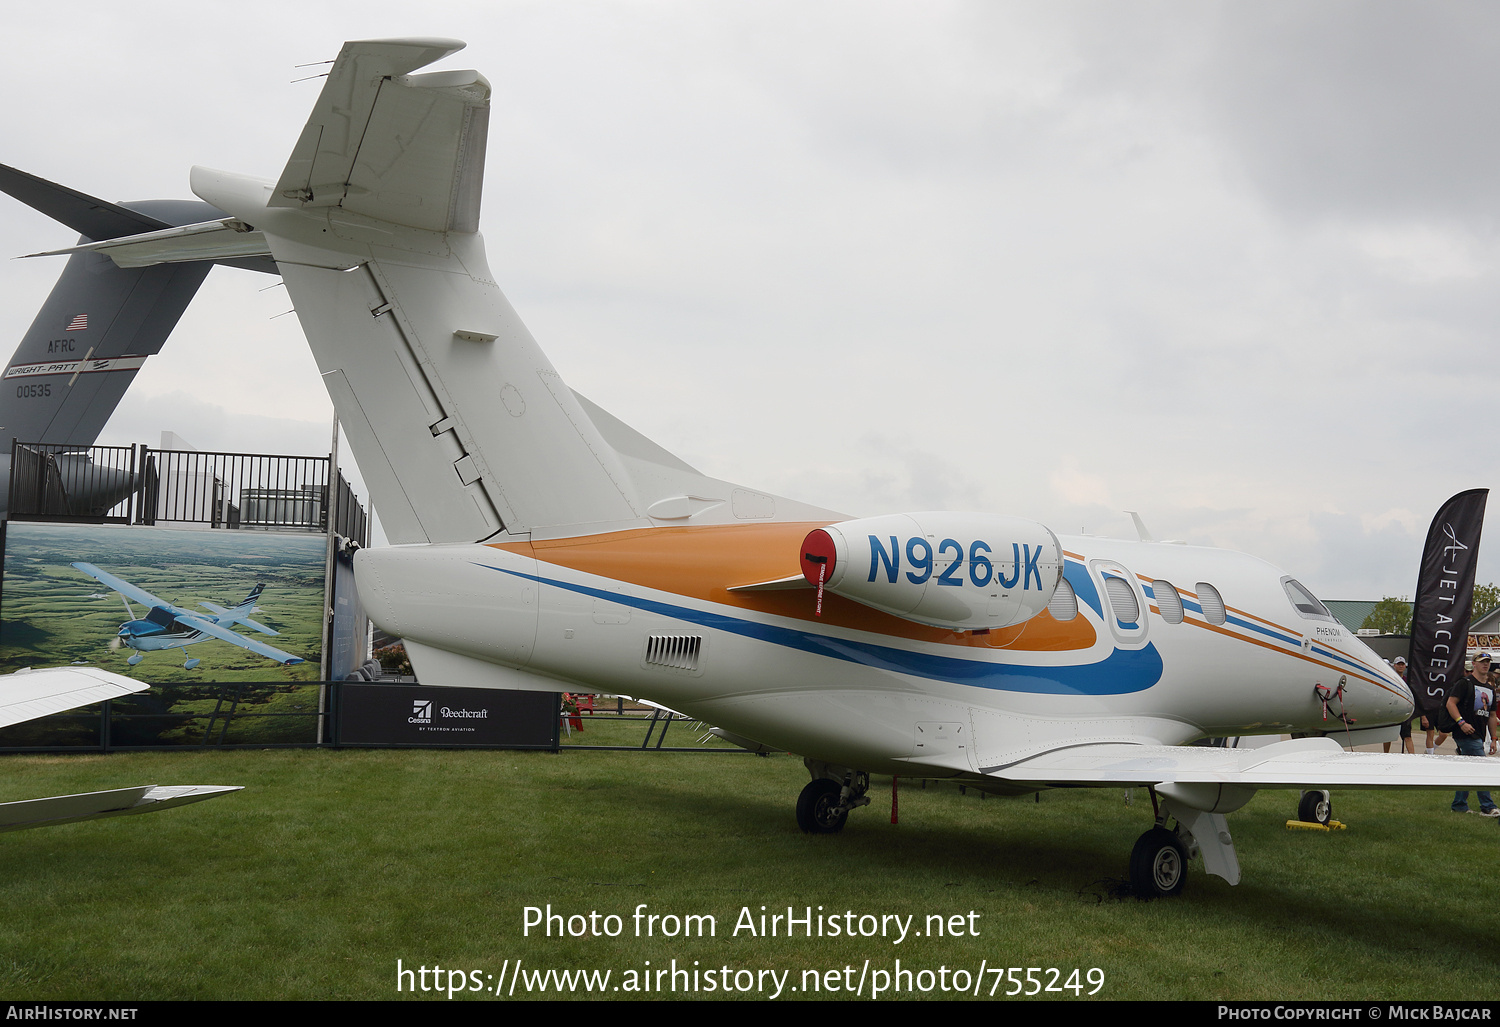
1230, 265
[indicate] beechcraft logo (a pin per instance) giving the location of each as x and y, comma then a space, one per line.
421, 712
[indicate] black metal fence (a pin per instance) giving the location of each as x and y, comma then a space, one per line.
234, 490
139, 485
265, 715
64, 483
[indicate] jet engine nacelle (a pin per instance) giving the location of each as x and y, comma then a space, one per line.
964, 571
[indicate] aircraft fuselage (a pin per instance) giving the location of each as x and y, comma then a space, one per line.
651, 613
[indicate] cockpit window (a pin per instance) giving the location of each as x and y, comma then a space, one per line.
1304, 601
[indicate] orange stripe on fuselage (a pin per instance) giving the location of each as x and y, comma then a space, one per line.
1370, 675
704, 562
1298, 654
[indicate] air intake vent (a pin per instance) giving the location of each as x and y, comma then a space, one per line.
679, 651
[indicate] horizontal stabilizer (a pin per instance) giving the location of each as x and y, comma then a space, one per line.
227, 617
407, 149
439, 667
210, 240
29, 694
1300, 763
87, 215
117, 802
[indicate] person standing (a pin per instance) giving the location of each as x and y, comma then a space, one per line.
1471, 704
1407, 745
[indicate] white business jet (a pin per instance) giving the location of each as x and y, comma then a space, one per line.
546, 545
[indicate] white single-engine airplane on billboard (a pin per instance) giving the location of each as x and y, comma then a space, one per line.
548, 546
165, 626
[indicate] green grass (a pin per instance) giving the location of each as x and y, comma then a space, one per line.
332, 865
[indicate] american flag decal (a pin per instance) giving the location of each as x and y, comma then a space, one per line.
79, 323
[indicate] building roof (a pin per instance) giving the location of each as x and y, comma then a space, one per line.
1351, 613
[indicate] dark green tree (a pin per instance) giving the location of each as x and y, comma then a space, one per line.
1392, 616
1486, 598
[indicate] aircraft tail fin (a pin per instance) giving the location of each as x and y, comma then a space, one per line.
461, 425
101, 321
87, 215
229, 618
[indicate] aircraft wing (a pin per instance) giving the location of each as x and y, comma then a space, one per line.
29, 694
259, 648
117, 802
1312, 763
122, 586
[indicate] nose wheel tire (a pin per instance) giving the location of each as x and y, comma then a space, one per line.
818, 808
1158, 864
1315, 808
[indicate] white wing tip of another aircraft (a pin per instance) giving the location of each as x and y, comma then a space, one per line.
31, 693
116, 802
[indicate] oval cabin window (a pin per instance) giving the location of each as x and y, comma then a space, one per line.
1211, 602
1167, 601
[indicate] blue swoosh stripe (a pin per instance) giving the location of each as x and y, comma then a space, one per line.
1345, 660
1083, 586
1278, 635
1295, 644
1122, 672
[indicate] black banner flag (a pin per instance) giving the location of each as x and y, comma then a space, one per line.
1445, 598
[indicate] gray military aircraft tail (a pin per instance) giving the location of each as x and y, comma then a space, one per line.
95, 330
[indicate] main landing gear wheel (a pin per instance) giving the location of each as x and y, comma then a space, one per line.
1315, 808
818, 807
1158, 864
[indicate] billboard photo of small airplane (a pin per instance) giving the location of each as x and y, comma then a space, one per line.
165, 626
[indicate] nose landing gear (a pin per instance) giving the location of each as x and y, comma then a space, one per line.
824, 804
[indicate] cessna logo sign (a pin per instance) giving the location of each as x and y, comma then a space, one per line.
393, 715
421, 713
